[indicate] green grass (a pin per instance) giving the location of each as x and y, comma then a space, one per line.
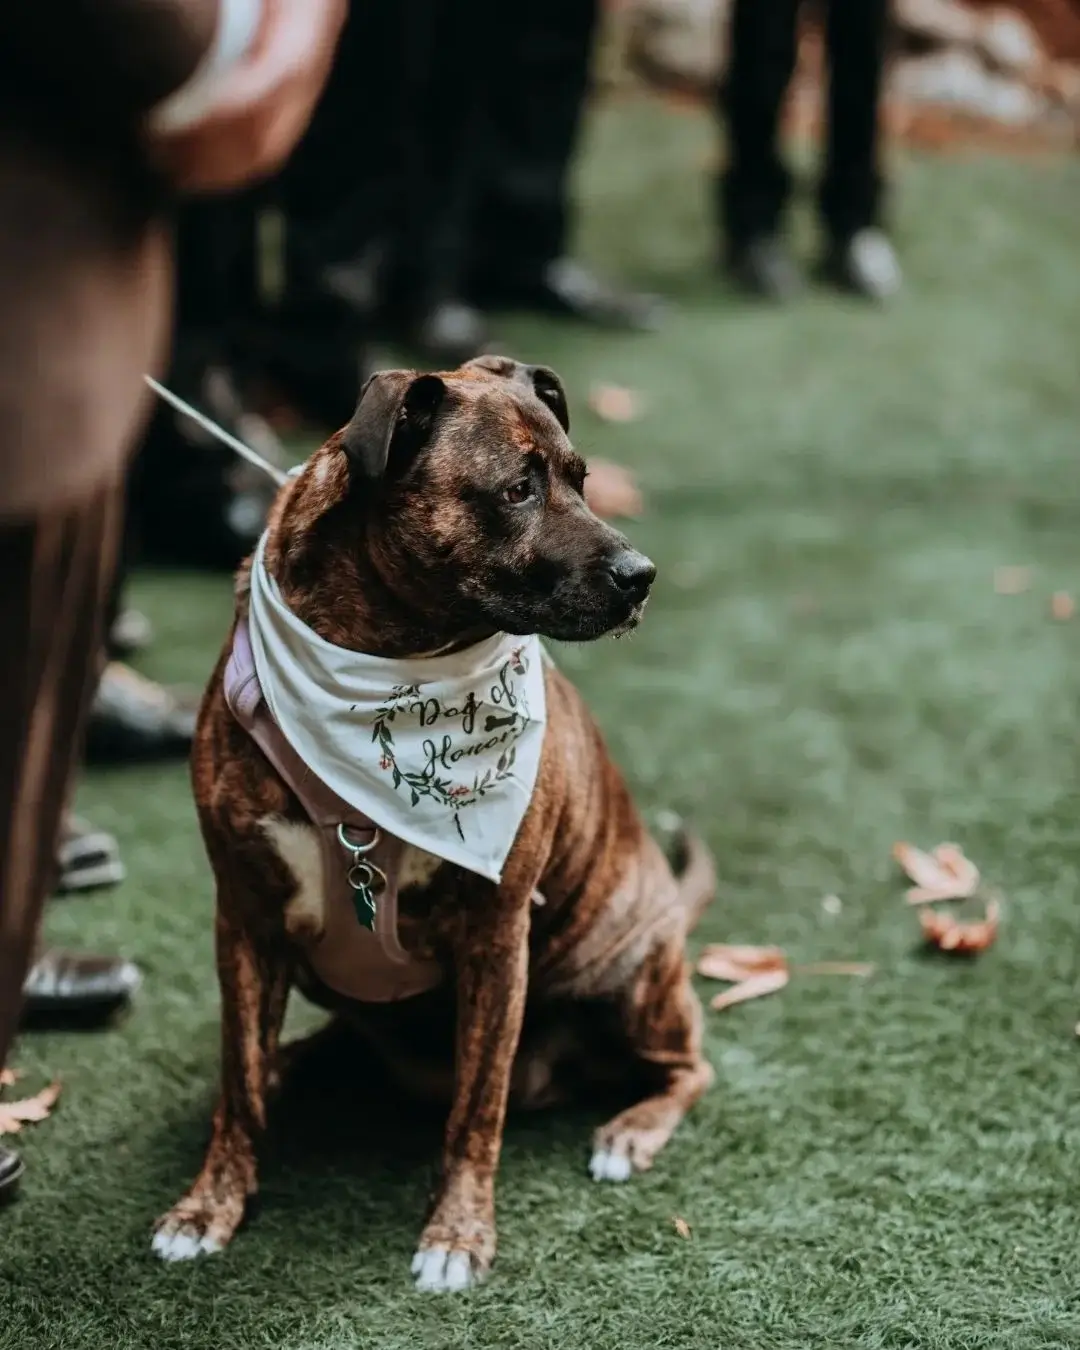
825, 668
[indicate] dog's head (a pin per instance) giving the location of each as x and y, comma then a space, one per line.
474, 507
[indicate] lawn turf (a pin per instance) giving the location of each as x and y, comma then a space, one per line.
825, 668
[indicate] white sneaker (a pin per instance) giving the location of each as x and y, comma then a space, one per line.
867, 264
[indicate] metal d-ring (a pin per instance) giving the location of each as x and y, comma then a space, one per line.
357, 850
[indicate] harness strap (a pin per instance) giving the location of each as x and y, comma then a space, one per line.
358, 953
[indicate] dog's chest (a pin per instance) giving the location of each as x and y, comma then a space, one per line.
299, 847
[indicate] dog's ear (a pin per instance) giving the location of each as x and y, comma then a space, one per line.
543, 381
393, 420
549, 389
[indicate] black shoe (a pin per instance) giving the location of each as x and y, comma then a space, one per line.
763, 266
570, 290
866, 264
86, 858
389, 305
449, 333
11, 1169
88, 989
133, 720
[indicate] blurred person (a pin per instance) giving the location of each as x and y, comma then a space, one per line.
85, 160
191, 500
536, 95
755, 187
462, 204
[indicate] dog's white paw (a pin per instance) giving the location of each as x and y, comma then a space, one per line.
439, 1271
607, 1165
182, 1245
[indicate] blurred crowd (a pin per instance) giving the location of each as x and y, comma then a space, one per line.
429, 193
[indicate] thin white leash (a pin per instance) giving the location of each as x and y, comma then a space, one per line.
279, 476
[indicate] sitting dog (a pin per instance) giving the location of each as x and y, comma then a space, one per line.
411, 815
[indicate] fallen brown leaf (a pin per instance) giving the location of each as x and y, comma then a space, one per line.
1062, 606
1012, 580
613, 403
611, 491
942, 874
754, 986
682, 1227
757, 971
950, 934
13, 1115
733, 961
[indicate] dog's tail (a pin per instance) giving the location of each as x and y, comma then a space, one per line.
695, 871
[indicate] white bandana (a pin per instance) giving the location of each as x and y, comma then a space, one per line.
441, 751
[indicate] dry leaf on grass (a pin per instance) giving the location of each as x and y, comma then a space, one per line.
682, 1227
753, 971
611, 490
613, 403
1062, 606
14, 1115
754, 986
757, 971
950, 934
942, 874
732, 961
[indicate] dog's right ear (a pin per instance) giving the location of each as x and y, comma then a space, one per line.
542, 380
393, 421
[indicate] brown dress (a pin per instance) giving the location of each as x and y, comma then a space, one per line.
85, 279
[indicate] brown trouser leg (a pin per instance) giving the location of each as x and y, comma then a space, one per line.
55, 573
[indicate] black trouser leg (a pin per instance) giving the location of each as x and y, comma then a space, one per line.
446, 56
217, 269
397, 131
756, 183
851, 185
535, 92
338, 186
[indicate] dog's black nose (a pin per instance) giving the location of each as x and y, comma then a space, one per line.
633, 573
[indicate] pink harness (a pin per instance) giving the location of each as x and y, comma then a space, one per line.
358, 954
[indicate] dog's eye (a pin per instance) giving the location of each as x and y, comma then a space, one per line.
519, 492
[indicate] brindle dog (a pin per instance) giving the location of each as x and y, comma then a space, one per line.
450, 509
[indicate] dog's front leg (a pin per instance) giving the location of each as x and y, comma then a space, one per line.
491, 964
254, 992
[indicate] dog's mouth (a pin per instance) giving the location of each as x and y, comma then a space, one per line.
585, 619
631, 622
606, 597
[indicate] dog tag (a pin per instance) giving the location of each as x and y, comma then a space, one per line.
364, 904
361, 879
